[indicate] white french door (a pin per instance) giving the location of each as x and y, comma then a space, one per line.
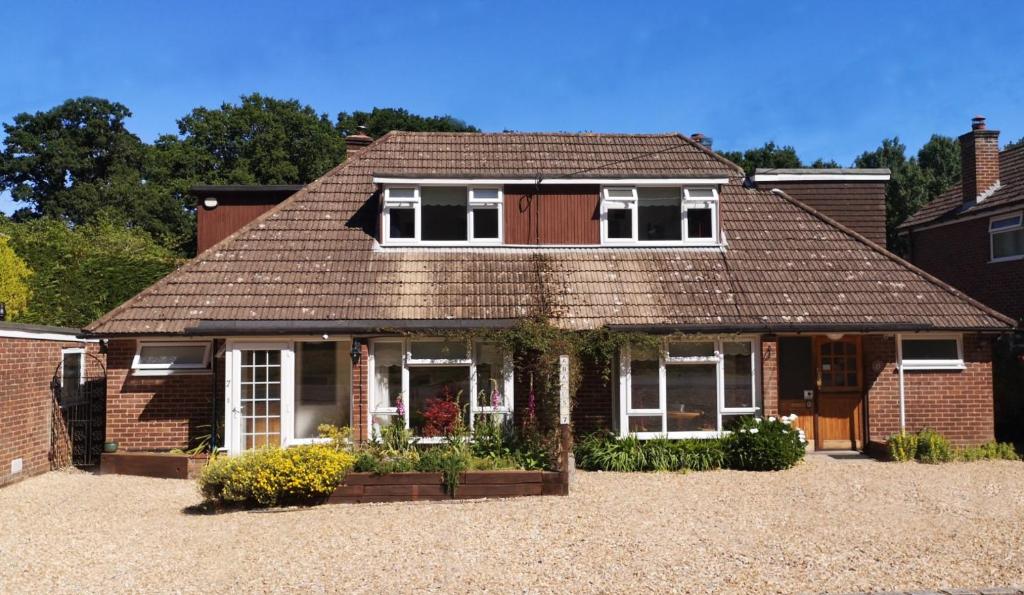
260, 392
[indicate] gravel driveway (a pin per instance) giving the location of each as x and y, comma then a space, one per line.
835, 526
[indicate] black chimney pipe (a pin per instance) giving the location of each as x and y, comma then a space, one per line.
3, 311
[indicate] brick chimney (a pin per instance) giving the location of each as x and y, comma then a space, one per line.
979, 160
354, 143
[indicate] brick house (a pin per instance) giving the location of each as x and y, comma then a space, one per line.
972, 235
32, 359
336, 305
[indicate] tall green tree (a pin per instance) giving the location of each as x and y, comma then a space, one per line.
382, 120
261, 140
81, 272
78, 160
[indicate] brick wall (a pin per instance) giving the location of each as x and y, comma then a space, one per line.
957, 404
959, 254
594, 401
27, 367
360, 402
770, 376
979, 161
157, 412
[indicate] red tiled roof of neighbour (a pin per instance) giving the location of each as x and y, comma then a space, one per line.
950, 205
313, 257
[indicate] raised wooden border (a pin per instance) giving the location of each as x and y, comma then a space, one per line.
162, 465
408, 487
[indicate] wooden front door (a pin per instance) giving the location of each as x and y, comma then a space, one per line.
839, 394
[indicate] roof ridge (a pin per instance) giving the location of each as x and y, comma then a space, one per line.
532, 133
195, 260
886, 253
711, 153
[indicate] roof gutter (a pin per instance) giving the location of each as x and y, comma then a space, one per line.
664, 329
315, 327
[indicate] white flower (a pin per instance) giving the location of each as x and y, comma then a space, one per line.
772, 418
757, 420
786, 421
753, 430
803, 440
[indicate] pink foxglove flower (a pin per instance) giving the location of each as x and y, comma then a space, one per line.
400, 406
495, 395
531, 405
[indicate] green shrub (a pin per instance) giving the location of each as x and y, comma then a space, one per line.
661, 454
701, 455
902, 447
450, 459
368, 461
272, 476
988, 451
605, 452
933, 447
764, 445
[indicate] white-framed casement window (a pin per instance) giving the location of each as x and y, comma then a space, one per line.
931, 352
1006, 234
659, 215
159, 358
688, 388
415, 381
442, 215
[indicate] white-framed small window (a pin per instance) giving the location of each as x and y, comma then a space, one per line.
1006, 235
688, 388
167, 357
72, 373
401, 214
659, 215
485, 214
618, 215
931, 352
415, 379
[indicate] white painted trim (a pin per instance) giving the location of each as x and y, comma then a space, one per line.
43, 336
758, 178
81, 363
548, 181
994, 213
902, 383
469, 248
992, 233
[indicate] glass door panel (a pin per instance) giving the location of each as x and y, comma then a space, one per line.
260, 397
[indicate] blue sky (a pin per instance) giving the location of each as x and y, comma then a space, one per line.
830, 78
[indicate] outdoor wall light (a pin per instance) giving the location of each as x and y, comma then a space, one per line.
210, 202
356, 351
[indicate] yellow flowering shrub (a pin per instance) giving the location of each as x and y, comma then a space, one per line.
273, 476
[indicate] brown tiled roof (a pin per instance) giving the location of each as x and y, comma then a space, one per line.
949, 205
312, 258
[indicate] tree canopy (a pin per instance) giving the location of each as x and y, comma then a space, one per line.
771, 155
382, 120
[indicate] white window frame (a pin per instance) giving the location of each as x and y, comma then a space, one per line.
473, 204
932, 364
140, 369
81, 363
626, 409
408, 362
686, 202
401, 203
992, 233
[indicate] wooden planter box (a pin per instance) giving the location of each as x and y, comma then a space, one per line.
164, 465
405, 487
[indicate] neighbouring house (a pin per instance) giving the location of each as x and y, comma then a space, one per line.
328, 307
972, 237
48, 377
223, 209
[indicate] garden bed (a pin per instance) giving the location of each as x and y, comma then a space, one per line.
411, 486
163, 465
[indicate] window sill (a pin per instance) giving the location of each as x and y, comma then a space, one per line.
951, 366
1006, 259
137, 372
678, 435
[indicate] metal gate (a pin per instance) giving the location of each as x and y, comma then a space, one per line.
78, 428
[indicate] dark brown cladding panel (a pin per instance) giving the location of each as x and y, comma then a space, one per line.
213, 225
857, 205
555, 215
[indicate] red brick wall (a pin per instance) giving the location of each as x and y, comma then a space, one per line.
27, 367
594, 401
959, 254
958, 404
979, 161
360, 396
770, 376
157, 412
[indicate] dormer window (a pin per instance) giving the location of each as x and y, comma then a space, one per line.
656, 215
442, 215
